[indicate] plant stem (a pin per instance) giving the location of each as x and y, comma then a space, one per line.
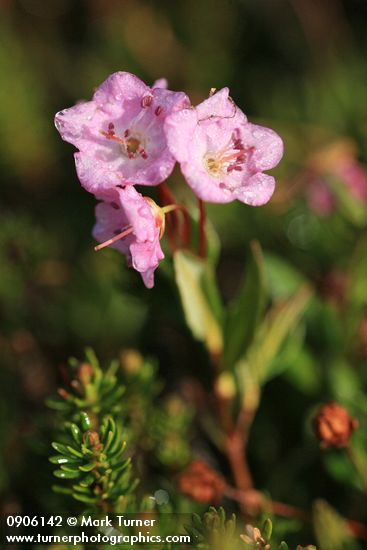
236, 454
202, 233
235, 437
168, 201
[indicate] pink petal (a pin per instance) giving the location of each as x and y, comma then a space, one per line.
95, 176
81, 123
268, 146
119, 87
218, 105
161, 83
178, 128
257, 191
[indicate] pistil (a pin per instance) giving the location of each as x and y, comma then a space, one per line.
114, 239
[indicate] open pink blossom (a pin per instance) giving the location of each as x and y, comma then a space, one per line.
320, 198
131, 224
120, 133
354, 177
221, 154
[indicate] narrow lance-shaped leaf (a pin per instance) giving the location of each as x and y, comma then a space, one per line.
245, 312
200, 299
271, 335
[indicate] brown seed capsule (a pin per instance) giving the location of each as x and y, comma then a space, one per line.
201, 483
333, 426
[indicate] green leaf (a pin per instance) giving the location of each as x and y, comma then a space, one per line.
61, 490
267, 529
60, 459
200, 299
270, 336
85, 421
283, 280
245, 312
69, 468
61, 474
60, 448
74, 452
84, 498
87, 480
76, 433
88, 467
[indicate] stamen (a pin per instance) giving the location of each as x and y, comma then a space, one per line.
113, 137
158, 110
130, 144
114, 239
235, 156
234, 167
230, 157
146, 101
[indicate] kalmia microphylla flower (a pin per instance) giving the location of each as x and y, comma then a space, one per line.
132, 224
119, 133
354, 177
320, 198
221, 154
339, 159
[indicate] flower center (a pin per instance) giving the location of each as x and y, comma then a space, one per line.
231, 157
131, 145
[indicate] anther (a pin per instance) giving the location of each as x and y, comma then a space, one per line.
158, 110
146, 101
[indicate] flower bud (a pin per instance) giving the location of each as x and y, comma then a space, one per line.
333, 426
225, 386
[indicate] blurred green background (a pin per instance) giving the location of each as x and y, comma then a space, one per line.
298, 66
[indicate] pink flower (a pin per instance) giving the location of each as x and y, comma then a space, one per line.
132, 224
354, 177
120, 133
320, 198
221, 154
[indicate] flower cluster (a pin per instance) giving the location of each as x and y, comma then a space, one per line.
131, 134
